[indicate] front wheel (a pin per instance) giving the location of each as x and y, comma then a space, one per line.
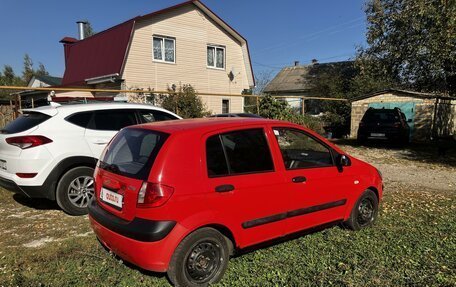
364, 212
75, 189
200, 259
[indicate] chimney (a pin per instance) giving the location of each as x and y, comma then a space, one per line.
67, 42
296, 63
81, 25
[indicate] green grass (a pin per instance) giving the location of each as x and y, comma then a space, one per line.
412, 244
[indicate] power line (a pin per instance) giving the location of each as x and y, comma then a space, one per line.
314, 35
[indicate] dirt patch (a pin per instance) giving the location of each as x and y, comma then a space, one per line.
402, 165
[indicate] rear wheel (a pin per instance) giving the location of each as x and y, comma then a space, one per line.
364, 212
75, 189
200, 259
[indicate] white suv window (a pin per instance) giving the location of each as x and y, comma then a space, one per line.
148, 116
112, 120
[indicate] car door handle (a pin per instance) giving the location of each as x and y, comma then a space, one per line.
224, 188
100, 142
299, 179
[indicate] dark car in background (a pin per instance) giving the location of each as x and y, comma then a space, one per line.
384, 124
236, 115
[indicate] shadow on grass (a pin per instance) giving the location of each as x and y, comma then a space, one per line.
289, 237
131, 265
36, 203
443, 153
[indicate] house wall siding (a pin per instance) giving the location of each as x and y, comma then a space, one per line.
193, 30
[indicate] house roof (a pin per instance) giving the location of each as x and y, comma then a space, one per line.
50, 80
296, 79
99, 55
403, 93
105, 53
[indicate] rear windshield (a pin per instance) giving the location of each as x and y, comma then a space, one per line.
24, 122
383, 116
132, 152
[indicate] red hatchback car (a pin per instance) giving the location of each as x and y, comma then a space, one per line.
181, 196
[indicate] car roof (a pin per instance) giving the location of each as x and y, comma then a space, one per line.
206, 124
69, 109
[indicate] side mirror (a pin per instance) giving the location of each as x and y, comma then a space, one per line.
344, 160
409, 120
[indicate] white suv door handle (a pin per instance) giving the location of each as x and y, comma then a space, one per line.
100, 141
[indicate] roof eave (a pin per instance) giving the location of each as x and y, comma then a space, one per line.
235, 34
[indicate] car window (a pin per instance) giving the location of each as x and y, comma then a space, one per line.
112, 120
215, 157
80, 119
238, 152
24, 122
133, 152
299, 150
383, 116
148, 116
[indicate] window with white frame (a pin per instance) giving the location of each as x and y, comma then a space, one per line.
164, 49
216, 57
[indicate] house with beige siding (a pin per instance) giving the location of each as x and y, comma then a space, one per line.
183, 44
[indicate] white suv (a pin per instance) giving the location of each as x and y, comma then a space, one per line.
51, 152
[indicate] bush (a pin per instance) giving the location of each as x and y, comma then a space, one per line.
272, 108
185, 103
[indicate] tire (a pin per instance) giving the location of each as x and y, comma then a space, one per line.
365, 211
75, 189
200, 259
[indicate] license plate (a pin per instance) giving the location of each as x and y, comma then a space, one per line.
111, 197
3, 164
377, 135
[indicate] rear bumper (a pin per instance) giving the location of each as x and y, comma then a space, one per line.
148, 244
388, 135
29, 191
138, 229
10, 185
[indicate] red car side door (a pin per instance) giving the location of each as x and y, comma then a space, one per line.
244, 187
318, 188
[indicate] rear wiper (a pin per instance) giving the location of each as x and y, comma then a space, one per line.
3, 131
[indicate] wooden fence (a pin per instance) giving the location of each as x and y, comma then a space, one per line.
6, 114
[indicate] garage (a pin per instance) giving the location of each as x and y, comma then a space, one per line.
428, 115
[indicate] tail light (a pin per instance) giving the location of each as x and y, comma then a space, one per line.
153, 195
26, 175
26, 142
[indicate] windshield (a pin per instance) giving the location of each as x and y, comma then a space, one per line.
132, 152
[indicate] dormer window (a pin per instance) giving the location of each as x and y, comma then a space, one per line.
164, 49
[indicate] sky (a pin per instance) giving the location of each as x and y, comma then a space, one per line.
278, 32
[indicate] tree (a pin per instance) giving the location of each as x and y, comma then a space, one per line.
8, 75
262, 79
413, 42
9, 78
28, 71
88, 30
41, 70
185, 103
272, 108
